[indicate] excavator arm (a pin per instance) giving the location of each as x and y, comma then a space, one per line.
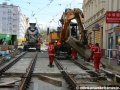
65, 20
78, 45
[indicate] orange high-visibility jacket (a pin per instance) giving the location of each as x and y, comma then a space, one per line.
51, 49
73, 52
58, 43
97, 52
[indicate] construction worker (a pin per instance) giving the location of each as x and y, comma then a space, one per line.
73, 53
91, 47
97, 56
58, 43
51, 54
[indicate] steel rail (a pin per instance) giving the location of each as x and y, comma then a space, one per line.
94, 74
11, 63
70, 80
73, 83
27, 76
110, 74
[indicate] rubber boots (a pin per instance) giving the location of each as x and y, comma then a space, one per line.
51, 64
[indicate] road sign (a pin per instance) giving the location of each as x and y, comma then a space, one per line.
113, 17
95, 29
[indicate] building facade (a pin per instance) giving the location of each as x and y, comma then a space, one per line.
112, 35
12, 22
95, 13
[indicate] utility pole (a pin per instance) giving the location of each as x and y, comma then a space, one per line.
70, 5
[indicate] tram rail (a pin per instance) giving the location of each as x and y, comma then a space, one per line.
10, 64
74, 84
27, 76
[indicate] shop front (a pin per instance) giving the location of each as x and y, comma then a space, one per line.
8, 37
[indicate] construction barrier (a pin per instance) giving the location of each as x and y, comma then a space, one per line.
111, 54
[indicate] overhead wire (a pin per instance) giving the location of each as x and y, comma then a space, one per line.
43, 7
61, 10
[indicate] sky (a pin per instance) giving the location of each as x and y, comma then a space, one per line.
46, 12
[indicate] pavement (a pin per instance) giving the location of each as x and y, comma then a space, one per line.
112, 62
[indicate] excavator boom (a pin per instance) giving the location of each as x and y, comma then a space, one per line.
78, 45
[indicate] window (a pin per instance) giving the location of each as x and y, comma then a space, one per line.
3, 29
3, 18
4, 12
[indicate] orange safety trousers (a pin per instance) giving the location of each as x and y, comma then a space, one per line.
51, 57
73, 53
97, 62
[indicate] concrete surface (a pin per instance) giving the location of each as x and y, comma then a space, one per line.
42, 67
41, 85
20, 67
71, 67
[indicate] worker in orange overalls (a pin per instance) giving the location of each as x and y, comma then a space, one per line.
51, 54
91, 47
73, 53
97, 56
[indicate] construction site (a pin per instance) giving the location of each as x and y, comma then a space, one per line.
28, 69
67, 60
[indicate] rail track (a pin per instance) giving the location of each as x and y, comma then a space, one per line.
75, 81
26, 77
10, 64
80, 81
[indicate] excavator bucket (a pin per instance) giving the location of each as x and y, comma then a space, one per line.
79, 47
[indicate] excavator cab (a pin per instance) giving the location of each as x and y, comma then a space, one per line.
73, 30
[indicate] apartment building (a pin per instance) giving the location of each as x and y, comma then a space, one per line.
94, 11
12, 22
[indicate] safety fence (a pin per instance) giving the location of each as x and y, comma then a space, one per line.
111, 54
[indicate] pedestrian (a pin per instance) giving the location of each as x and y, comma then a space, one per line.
25, 46
51, 51
97, 56
4, 41
73, 53
10, 42
1, 42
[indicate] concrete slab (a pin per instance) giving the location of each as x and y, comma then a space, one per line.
42, 67
30, 54
71, 68
42, 54
20, 66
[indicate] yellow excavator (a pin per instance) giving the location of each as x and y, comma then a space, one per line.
66, 35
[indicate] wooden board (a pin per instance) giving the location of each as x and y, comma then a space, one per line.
79, 47
8, 83
50, 80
